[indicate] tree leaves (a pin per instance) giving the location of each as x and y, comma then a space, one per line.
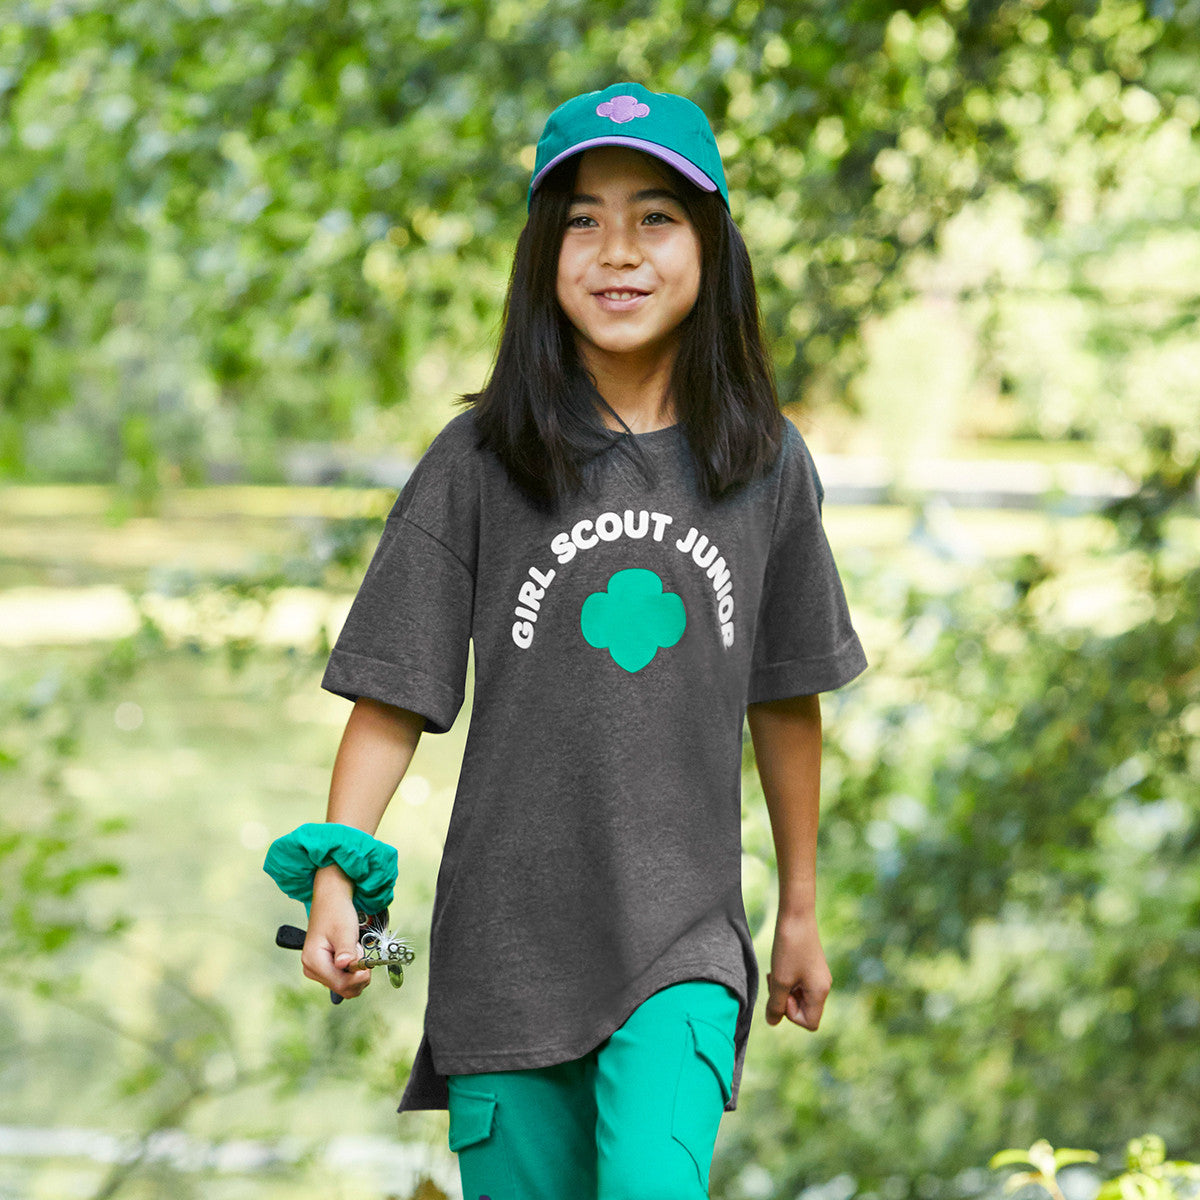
197, 202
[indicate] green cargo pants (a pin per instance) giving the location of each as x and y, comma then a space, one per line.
634, 1119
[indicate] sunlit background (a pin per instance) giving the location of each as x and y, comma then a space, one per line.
250, 252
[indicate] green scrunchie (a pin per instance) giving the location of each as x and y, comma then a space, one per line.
369, 864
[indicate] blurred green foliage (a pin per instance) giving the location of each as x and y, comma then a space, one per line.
1010, 901
1046, 1162
98, 963
227, 224
1148, 1175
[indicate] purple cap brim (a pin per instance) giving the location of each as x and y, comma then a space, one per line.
681, 164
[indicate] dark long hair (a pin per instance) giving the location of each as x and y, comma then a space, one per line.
540, 410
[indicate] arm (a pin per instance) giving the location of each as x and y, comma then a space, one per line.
376, 749
787, 747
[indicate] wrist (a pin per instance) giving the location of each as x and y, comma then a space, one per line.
340, 862
331, 883
797, 904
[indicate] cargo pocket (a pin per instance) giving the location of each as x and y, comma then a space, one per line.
705, 1086
471, 1117
477, 1137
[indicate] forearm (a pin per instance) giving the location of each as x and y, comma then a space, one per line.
787, 748
376, 748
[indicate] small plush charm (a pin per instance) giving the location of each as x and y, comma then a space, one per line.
382, 947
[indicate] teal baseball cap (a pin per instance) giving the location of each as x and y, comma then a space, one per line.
669, 127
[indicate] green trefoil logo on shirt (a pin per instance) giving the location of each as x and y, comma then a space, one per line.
633, 619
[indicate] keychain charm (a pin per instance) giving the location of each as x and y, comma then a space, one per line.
381, 947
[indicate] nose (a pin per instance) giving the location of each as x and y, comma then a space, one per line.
619, 247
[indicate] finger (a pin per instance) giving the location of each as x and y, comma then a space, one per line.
316, 969
352, 980
347, 984
777, 999
806, 1007
800, 1014
322, 966
317, 959
353, 985
343, 959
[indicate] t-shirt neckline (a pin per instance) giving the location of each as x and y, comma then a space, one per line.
654, 433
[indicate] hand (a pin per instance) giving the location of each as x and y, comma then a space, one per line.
799, 978
332, 941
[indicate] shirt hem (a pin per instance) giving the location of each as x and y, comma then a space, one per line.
545, 1056
424, 1093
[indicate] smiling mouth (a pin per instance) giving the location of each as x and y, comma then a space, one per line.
622, 294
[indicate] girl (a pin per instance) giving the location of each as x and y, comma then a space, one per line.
629, 531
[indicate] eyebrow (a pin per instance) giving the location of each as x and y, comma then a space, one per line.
636, 197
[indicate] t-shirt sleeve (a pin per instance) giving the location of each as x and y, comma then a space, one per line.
804, 640
406, 637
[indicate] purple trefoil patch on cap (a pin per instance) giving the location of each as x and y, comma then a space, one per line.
623, 108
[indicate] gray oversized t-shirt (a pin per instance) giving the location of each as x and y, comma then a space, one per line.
593, 854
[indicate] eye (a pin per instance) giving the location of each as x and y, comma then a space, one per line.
660, 218
574, 222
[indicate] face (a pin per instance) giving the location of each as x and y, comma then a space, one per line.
629, 266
